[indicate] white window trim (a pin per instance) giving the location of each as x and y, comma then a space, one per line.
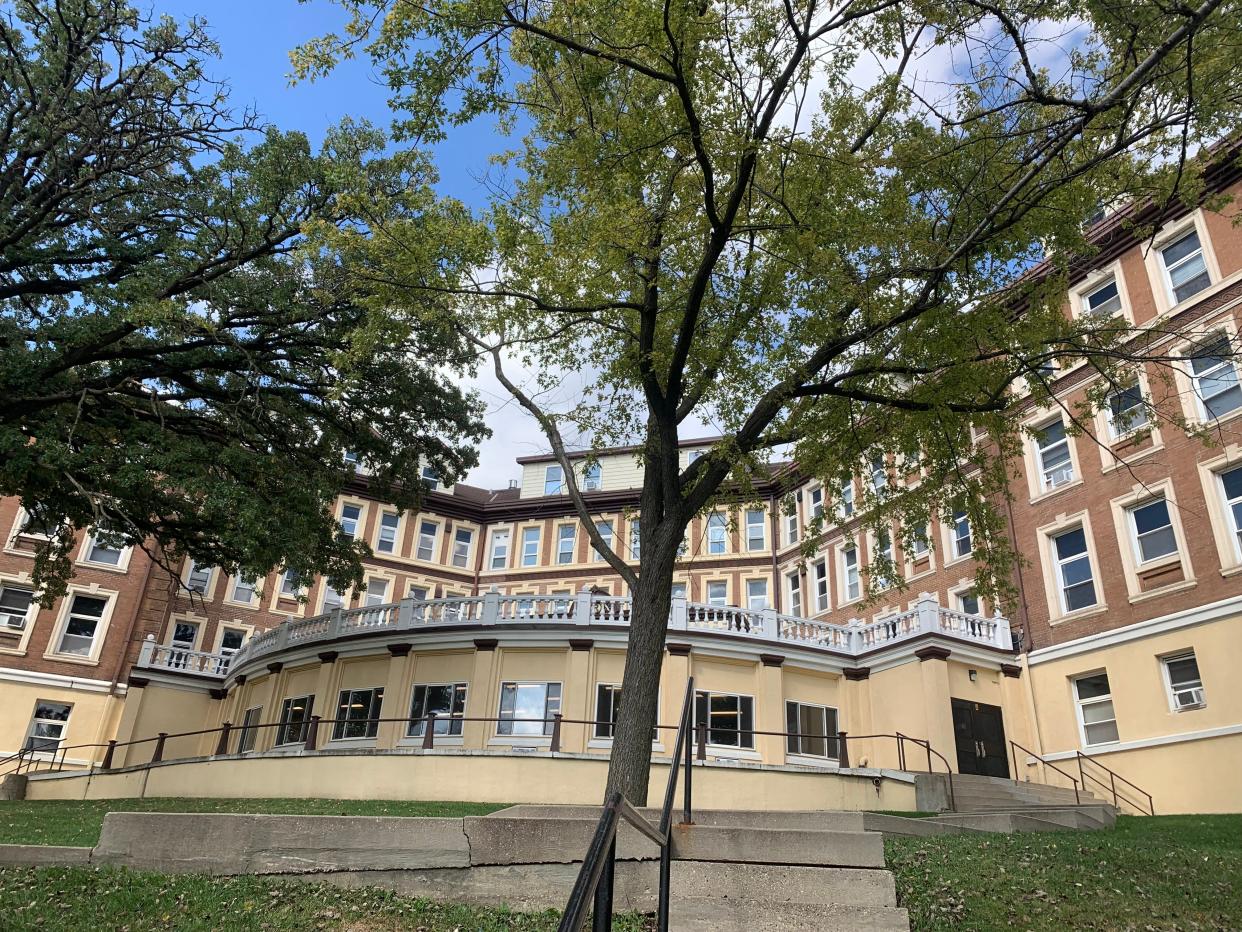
436, 539
405, 738
729, 750
360, 532
101, 630
256, 598
346, 596
1165, 660
707, 534
235, 625
1078, 704
471, 547
521, 545
1158, 277
561, 484
767, 592
390, 588
1094, 281
509, 535
199, 621
398, 533
1123, 524
573, 545
209, 593
842, 578
763, 529
1117, 450
1051, 570
122, 564
1187, 384
1034, 463
1228, 548
22, 581
962, 587
609, 538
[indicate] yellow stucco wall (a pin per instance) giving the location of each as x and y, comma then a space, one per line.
92, 720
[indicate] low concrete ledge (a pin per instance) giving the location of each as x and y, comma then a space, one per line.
546, 839
43, 856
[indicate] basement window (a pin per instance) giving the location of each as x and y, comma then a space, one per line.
730, 719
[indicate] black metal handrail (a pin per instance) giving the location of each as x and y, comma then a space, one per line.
594, 884
1014, 748
1113, 777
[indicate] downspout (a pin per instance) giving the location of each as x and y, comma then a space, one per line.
133, 622
774, 521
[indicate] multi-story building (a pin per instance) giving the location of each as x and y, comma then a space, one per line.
491, 610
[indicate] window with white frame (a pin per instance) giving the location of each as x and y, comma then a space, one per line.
1185, 267
592, 478
883, 569
846, 506
812, 730
249, 729
815, 497
198, 579
1181, 673
462, 539
15, 603
793, 590
104, 547
850, 578
919, 546
528, 708
756, 594
48, 725
499, 559
607, 708
962, 544
431, 477
36, 526
716, 531
356, 713
1153, 530
390, 521
333, 598
566, 535
83, 625
636, 541
184, 635
295, 716
604, 528
1231, 490
530, 546
789, 510
1127, 410
1104, 300
427, 531
553, 480
728, 718
717, 593
350, 457
290, 584
1095, 709
243, 590
418, 593
1075, 581
967, 601
1052, 454
879, 475
377, 592
756, 538
820, 568
231, 641
350, 516
1215, 377
446, 700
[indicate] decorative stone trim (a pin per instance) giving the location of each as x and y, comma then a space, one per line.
399, 650
581, 643
932, 652
275, 667
1011, 670
217, 693
485, 643
771, 660
138, 682
328, 656
855, 674
678, 650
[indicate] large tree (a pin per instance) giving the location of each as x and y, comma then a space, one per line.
831, 227
175, 366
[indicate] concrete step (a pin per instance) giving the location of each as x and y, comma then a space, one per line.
733, 915
777, 846
1014, 822
719, 882
818, 819
1085, 817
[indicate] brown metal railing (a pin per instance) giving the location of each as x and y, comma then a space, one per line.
1014, 748
1111, 788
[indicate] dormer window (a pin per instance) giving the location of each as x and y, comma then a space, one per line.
553, 480
592, 478
431, 477
351, 457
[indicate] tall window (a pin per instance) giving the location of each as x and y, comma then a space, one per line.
431, 477
847, 497
104, 547
879, 476
1215, 377
553, 480
1056, 466
231, 641
716, 529
756, 594
756, 539
47, 725
427, 540
15, 605
185, 635
462, 539
83, 625
243, 590
962, 544
812, 730
592, 478
815, 497
390, 521
1095, 709
377, 592
968, 602
249, 729
500, 549
1077, 586
446, 700
528, 708
717, 593
851, 581
918, 542
530, 546
1231, 490
1185, 270
607, 707
333, 598
350, 516
295, 715
290, 584
636, 541
789, 510
730, 719
793, 589
566, 534
1103, 300
604, 528
821, 585
1153, 530
198, 579
1181, 672
1127, 411
356, 712
883, 570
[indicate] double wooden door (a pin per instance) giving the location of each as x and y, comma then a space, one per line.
980, 734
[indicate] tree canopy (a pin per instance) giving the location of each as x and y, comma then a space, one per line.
176, 366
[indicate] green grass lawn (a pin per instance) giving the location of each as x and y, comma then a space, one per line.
77, 822
1165, 873
81, 898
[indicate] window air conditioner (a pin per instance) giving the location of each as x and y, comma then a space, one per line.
1191, 698
15, 622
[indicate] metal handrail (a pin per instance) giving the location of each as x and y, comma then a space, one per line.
1113, 778
1014, 747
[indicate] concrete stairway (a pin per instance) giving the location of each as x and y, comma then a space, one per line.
973, 793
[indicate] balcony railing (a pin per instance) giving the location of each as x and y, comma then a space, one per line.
764, 626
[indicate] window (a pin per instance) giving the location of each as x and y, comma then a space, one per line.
793, 588
1053, 452
884, 558
636, 541
290, 584
789, 510
37, 525
350, 457
1215, 378
104, 547
249, 729
243, 590
47, 725
850, 577
530, 546
427, 540
198, 579
717, 593
356, 712
500, 549
1127, 411
1069, 551
528, 708
418, 593
1185, 270
553, 480
333, 598
184, 635
694, 455
879, 476
295, 715
962, 544
231, 641
729, 719
1231, 488
968, 602
756, 594
14, 607
350, 516
377, 592
446, 700
604, 528
389, 522
462, 539
918, 542
756, 538
847, 497
1153, 530
1185, 685
1103, 300
565, 536
592, 478
431, 477
821, 585
1095, 709
812, 730
607, 706
716, 529
83, 624
816, 497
